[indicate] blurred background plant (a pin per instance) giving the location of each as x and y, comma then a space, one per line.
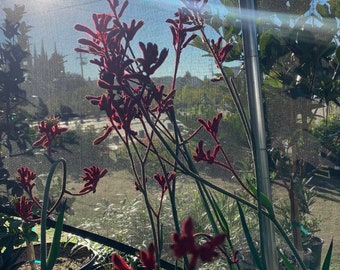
14, 233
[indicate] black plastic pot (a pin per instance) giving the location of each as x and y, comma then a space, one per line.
313, 258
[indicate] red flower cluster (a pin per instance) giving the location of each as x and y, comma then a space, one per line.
164, 102
24, 208
26, 177
184, 243
92, 177
120, 111
119, 263
151, 62
125, 77
179, 31
161, 179
213, 125
50, 130
147, 258
221, 52
201, 155
211, 156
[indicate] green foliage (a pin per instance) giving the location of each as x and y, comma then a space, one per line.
259, 263
286, 262
122, 222
53, 253
19, 231
270, 49
229, 29
327, 262
327, 132
298, 66
42, 111
263, 200
48, 259
337, 55
309, 224
13, 234
12, 74
204, 100
69, 138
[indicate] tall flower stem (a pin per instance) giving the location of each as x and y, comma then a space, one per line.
45, 211
205, 195
171, 114
232, 90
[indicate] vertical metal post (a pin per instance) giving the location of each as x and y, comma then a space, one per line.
250, 46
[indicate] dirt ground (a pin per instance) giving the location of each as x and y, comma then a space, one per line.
327, 209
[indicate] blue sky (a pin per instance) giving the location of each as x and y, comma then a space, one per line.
53, 22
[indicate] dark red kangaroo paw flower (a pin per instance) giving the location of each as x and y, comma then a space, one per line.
91, 178
212, 126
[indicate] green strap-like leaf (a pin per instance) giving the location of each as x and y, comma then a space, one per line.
251, 245
337, 54
54, 251
265, 201
327, 262
220, 216
44, 210
286, 262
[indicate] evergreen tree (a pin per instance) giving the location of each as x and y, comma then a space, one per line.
47, 77
13, 54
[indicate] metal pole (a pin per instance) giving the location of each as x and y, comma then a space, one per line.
250, 46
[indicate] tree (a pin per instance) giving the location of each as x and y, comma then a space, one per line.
300, 71
13, 52
299, 67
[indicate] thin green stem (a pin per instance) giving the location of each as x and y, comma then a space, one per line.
45, 212
232, 90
